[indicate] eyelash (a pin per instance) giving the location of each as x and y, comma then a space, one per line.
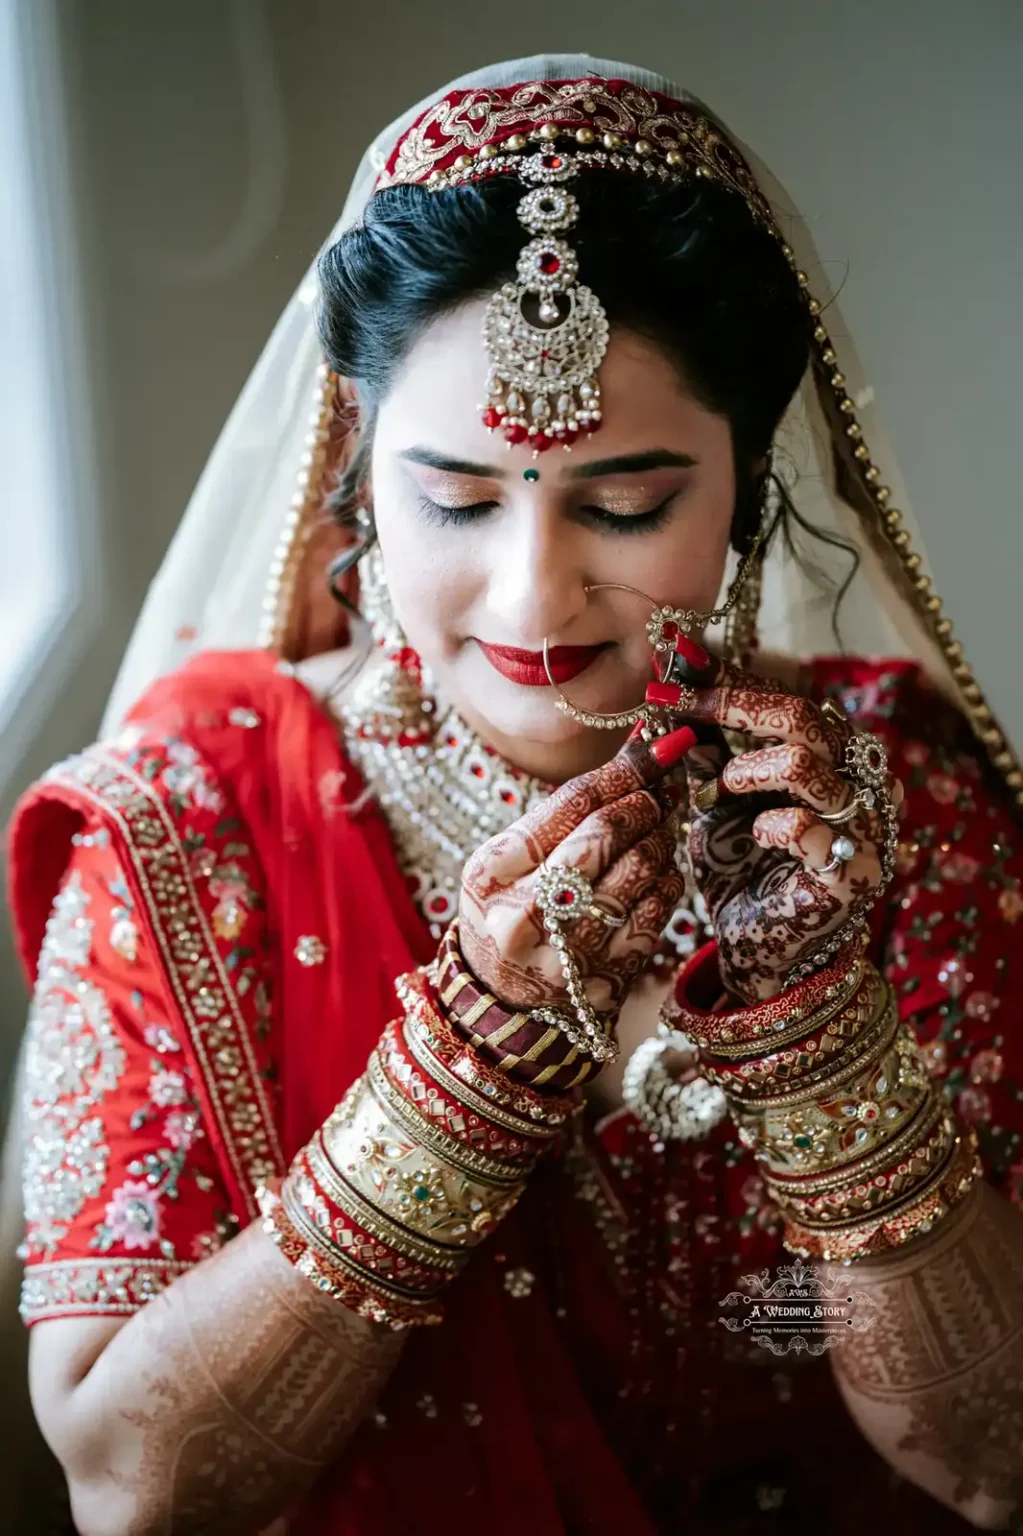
613, 522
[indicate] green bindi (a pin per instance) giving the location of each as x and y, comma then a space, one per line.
531, 474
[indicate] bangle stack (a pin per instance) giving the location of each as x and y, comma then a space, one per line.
829, 1090
423, 1157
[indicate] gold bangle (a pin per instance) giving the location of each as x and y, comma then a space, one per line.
373, 1220
472, 1165
408, 1182
853, 1117
862, 1192
334, 1256
930, 1112
896, 1225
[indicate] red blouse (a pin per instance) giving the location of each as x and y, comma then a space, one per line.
631, 1248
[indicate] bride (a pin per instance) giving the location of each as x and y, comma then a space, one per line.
490, 927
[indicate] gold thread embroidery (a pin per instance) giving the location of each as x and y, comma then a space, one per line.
208, 1002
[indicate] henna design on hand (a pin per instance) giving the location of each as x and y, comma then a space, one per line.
755, 866
613, 826
791, 769
782, 717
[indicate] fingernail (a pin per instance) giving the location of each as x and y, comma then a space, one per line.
695, 654
663, 693
667, 750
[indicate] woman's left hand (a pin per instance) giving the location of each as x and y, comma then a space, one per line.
763, 871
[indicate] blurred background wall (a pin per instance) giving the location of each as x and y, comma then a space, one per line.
199, 152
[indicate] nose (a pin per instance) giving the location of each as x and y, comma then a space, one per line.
537, 579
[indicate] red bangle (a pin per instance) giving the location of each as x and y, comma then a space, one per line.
329, 1277
535, 1114
787, 1016
840, 1038
436, 1104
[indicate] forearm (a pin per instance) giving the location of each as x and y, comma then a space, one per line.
214, 1407
936, 1384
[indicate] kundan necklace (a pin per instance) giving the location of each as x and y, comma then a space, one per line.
441, 796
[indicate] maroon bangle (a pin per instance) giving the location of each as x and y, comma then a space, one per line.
520, 1045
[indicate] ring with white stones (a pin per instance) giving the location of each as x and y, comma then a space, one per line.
842, 850
565, 894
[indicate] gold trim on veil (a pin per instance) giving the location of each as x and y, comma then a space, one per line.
281, 600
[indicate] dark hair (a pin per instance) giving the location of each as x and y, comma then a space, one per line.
684, 265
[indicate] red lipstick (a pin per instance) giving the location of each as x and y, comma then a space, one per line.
527, 669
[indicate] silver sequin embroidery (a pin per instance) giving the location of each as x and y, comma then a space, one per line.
73, 1059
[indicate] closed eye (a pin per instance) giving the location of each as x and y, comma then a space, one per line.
628, 522
441, 515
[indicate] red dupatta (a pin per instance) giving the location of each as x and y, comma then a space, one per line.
484, 1422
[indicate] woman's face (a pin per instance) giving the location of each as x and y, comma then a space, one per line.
483, 564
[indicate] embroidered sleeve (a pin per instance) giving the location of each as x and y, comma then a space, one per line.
121, 1187
952, 943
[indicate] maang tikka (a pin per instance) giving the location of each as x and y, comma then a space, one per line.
547, 334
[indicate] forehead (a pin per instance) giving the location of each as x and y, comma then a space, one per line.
437, 394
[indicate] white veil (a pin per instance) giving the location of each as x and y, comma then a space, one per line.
225, 577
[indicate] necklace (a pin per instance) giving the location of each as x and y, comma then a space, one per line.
441, 798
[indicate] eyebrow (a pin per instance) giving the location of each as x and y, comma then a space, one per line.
624, 464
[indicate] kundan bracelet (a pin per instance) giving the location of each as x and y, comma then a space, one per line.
829, 1090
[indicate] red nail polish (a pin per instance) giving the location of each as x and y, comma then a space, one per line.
695, 654
668, 750
663, 693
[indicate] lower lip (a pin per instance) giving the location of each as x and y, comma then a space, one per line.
527, 669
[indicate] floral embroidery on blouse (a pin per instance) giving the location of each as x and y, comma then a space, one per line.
73, 1060
134, 1213
124, 934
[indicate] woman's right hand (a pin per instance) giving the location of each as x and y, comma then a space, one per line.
616, 829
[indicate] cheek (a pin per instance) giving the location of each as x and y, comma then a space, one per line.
430, 575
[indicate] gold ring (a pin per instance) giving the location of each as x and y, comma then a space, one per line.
708, 795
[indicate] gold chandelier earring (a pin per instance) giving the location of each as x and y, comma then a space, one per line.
665, 627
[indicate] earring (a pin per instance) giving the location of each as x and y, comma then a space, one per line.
664, 628
741, 640
390, 702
